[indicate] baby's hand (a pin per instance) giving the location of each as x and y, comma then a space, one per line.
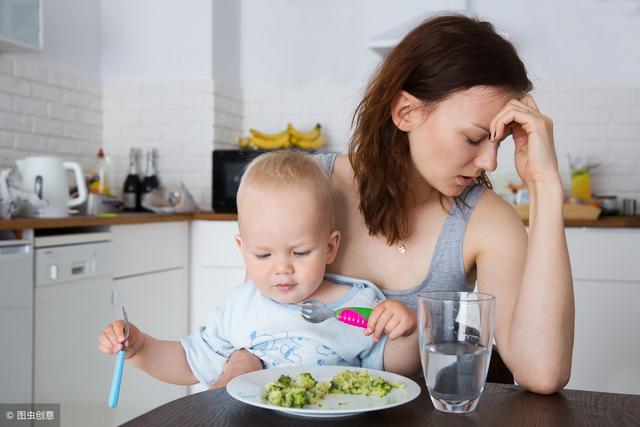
111, 339
392, 318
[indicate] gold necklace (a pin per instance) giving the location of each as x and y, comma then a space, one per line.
402, 249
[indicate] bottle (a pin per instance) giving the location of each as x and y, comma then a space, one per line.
100, 182
150, 181
132, 185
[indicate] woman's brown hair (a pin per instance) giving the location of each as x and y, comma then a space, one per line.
443, 55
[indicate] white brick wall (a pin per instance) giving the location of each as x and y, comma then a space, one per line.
176, 118
46, 112
228, 114
593, 121
600, 123
332, 107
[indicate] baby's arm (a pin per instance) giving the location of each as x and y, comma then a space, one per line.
163, 360
401, 353
240, 362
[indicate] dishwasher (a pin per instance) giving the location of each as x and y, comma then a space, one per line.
73, 304
16, 319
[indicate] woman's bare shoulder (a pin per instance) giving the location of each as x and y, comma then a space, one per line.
342, 167
493, 208
342, 177
494, 220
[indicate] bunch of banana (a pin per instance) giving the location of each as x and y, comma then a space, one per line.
270, 141
290, 136
306, 140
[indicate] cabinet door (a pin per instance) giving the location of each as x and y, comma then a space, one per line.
157, 304
606, 346
20, 25
605, 254
213, 244
211, 286
68, 368
144, 248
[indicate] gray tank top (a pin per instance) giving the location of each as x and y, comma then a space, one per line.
446, 272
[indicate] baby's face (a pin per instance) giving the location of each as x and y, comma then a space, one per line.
285, 242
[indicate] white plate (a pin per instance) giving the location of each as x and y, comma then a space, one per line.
248, 388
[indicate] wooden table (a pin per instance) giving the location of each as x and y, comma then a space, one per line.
500, 405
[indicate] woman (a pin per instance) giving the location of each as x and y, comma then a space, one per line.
415, 208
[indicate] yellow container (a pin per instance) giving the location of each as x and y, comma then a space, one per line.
581, 185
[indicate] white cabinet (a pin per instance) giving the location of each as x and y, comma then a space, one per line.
145, 269
216, 269
606, 270
606, 349
151, 280
211, 286
216, 266
145, 248
157, 303
20, 25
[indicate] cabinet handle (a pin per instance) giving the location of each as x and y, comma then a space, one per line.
114, 297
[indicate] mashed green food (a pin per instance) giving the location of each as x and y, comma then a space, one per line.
307, 391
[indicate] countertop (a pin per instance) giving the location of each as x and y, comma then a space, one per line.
141, 218
119, 219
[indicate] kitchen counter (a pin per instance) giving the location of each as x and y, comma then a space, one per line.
142, 218
119, 219
603, 222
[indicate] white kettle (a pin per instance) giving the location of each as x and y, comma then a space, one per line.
47, 178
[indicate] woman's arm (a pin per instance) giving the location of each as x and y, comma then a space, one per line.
402, 355
531, 278
534, 295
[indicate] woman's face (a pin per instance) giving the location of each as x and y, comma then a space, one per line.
450, 146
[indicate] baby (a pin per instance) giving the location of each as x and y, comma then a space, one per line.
287, 238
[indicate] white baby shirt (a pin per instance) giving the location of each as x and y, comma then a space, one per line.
279, 336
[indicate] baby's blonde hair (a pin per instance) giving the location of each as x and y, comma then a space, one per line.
284, 169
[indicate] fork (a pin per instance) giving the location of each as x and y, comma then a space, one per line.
117, 372
316, 311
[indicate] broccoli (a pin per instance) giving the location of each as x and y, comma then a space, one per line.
286, 392
361, 383
285, 381
307, 381
295, 394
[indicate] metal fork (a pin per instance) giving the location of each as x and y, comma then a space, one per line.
316, 311
114, 394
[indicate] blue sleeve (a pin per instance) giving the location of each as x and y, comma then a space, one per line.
208, 348
373, 357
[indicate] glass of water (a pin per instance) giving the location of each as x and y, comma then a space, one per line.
456, 336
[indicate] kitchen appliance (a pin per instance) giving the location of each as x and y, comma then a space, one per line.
228, 167
628, 207
16, 320
73, 304
47, 178
100, 204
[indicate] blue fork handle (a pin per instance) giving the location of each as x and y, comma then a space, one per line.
117, 378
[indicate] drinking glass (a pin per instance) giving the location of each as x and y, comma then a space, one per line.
456, 336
